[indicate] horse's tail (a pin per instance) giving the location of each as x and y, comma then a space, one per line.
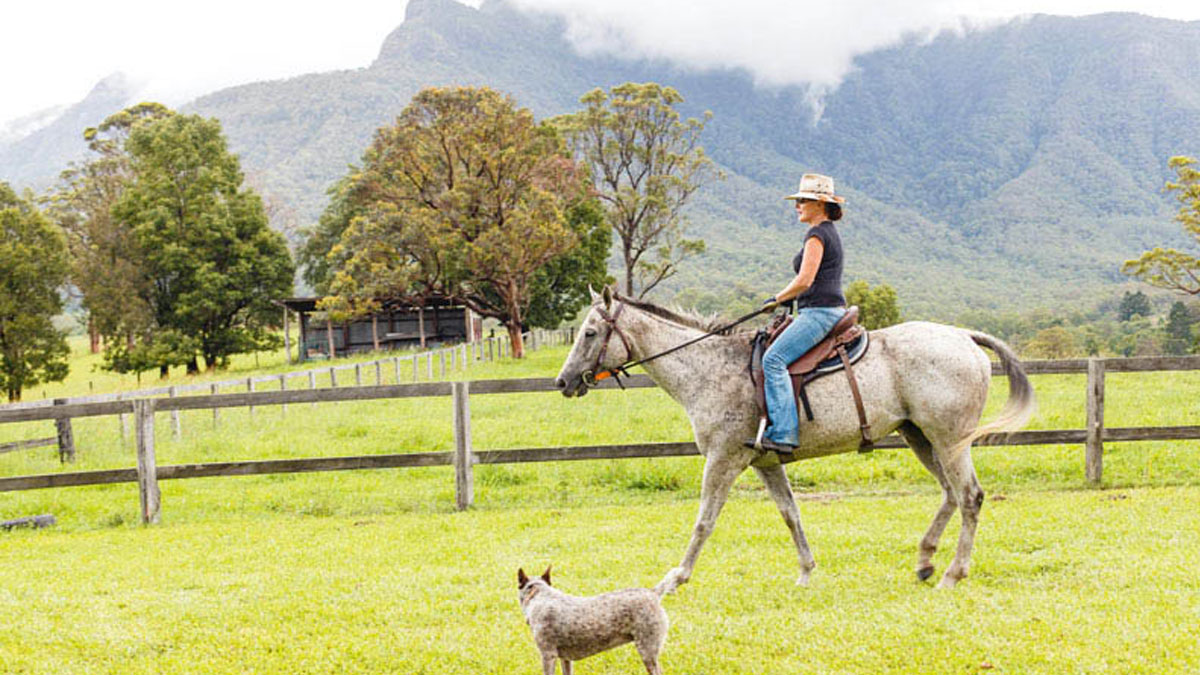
1021, 403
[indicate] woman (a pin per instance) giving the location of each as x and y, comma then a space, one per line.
817, 291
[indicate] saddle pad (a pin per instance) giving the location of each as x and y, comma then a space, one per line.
854, 351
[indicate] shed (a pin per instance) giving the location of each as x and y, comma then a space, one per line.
396, 325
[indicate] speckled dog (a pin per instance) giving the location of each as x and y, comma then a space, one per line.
571, 628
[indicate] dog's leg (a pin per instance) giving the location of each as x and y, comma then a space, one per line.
775, 478
720, 470
649, 654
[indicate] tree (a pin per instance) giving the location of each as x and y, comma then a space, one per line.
33, 267
645, 164
560, 287
211, 264
466, 197
1178, 330
1055, 342
879, 307
1133, 305
1169, 268
106, 264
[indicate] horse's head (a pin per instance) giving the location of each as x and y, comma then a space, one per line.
595, 348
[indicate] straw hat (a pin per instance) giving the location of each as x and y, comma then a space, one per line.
818, 187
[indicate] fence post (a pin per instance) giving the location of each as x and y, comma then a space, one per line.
124, 423
147, 469
396, 365
358, 374
442, 354
312, 384
414, 365
429, 365
176, 423
250, 389
464, 482
283, 387
490, 356
466, 360
66, 436
1095, 420
378, 373
214, 390
332, 377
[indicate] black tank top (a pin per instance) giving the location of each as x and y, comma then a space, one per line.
826, 290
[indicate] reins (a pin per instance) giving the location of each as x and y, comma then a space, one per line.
593, 377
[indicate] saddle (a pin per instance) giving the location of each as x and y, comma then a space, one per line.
842, 347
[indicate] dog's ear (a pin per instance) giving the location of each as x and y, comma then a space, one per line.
521, 578
546, 576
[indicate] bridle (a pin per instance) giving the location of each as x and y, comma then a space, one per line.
594, 375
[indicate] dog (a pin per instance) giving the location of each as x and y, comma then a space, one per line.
571, 628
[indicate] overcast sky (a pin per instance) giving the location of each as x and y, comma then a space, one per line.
54, 51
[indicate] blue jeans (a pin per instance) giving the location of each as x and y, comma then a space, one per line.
809, 327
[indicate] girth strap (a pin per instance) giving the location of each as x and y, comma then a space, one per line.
865, 444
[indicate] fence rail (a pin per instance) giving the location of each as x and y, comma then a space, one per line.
458, 356
463, 457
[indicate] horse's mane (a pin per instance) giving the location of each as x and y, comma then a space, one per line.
685, 317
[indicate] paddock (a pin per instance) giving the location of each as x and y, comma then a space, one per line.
377, 570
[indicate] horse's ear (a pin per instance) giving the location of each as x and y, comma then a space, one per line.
546, 576
521, 578
594, 294
608, 297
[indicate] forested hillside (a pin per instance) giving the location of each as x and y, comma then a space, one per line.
1013, 167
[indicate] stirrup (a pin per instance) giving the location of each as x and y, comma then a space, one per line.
762, 427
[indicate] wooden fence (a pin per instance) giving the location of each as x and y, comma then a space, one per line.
147, 473
449, 359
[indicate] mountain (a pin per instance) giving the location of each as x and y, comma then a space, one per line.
14, 130
49, 141
1007, 168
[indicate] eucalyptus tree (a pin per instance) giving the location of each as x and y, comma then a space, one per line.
646, 163
106, 263
465, 196
1171, 268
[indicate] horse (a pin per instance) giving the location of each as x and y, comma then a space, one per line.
927, 381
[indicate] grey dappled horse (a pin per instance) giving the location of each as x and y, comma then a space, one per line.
927, 381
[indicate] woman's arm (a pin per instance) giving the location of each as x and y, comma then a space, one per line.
814, 249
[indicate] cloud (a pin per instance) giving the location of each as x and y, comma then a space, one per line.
794, 41
779, 42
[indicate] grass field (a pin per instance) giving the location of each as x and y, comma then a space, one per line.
373, 572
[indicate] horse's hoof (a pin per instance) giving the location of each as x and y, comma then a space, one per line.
925, 572
947, 582
803, 579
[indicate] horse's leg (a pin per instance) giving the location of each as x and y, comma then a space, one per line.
720, 471
775, 478
923, 449
960, 474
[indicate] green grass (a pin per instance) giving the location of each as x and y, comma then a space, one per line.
372, 571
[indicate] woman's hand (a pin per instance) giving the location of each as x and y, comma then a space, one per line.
770, 304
